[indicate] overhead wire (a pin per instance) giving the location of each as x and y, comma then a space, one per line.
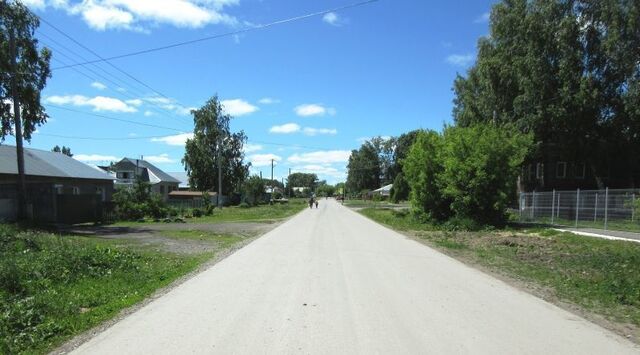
226, 34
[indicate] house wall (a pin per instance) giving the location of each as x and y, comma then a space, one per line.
43, 197
164, 188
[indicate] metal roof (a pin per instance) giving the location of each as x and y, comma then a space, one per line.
160, 175
45, 163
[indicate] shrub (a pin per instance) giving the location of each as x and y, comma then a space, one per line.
244, 205
253, 190
400, 189
196, 212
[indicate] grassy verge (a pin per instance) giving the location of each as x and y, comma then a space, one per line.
55, 287
624, 225
371, 203
601, 276
261, 213
221, 240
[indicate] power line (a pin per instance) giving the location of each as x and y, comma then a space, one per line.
226, 34
100, 138
116, 119
102, 59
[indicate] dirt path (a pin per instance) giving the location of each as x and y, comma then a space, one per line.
332, 281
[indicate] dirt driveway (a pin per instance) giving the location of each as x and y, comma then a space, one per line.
181, 238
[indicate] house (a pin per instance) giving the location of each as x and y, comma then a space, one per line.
60, 189
129, 170
384, 191
183, 178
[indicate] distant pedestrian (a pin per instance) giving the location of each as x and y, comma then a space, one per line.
311, 202
316, 203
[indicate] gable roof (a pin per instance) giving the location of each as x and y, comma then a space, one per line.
45, 163
155, 174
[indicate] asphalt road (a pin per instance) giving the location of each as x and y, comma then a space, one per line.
330, 281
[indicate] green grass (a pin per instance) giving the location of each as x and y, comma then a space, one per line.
261, 213
223, 240
371, 203
54, 287
612, 224
602, 276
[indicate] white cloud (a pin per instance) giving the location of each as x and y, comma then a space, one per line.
316, 131
159, 159
285, 128
141, 15
321, 170
461, 60
268, 101
321, 157
99, 103
250, 148
238, 107
98, 85
313, 110
263, 159
177, 139
484, 18
148, 113
92, 158
169, 105
334, 19
134, 102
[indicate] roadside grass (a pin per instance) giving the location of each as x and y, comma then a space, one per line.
261, 213
55, 287
222, 240
601, 276
357, 203
624, 225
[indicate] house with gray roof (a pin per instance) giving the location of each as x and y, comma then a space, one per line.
59, 188
128, 170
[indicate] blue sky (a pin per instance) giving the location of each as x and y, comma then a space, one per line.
306, 92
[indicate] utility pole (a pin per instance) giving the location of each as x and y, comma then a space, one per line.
289, 182
22, 182
271, 198
219, 158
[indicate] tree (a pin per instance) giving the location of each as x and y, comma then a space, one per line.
254, 190
212, 136
325, 190
565, 71
307, 180
64, 150
363, 169
423, 168
477, 175
400, 189
24, 71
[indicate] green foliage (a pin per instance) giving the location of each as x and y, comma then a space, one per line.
32, 64
325, 190
400, 189
565, 71
364, 168
137, 202
64, 150
480, 169
423, 168
254, 190
54, 287
307, 180
464, 174
212, 135
196, 212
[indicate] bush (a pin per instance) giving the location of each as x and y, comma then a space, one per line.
466, 173
244, 205
400, 189
134, 203
208, 210
196, 212
253, 190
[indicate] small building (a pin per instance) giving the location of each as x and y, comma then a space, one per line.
60, 189
183, 178
384, 191
129, 170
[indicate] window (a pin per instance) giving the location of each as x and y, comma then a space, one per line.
561, 170
76, 190
59, 189
581, 170
540, 170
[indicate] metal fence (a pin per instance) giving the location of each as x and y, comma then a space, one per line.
602, 209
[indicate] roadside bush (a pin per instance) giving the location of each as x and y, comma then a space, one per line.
253, 190
196, 212
400, 189
244, 205
423, 168
137, 202
467, 172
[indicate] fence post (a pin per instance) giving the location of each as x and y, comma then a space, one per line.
577, 206
533, 206
606, 206
558, 207
521, 205
633, 207
595, 210
553, 204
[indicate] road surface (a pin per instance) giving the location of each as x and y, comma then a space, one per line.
330, 281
